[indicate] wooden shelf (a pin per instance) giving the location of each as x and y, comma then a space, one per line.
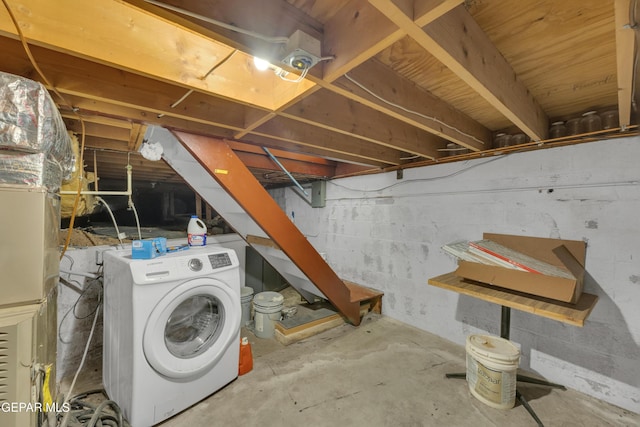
573, 314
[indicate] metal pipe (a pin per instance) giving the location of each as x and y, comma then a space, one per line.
266, 150
128, 192
95, 170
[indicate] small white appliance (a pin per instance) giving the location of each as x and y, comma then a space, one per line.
171, 329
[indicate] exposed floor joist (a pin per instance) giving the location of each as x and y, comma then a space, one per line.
400, 81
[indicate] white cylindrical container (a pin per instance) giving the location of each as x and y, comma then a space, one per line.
196, 232
267, 310
246, 295
492, 365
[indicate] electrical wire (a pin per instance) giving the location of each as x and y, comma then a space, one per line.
115, 224
274, 40
283, 75
79, 273
458, 172
190, 91
65, 419
135, 213
35, 65
407, 110
73, 308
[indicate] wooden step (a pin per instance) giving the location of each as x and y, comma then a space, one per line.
307, 323
362, 294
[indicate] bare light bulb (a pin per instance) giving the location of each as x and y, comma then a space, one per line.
261, 64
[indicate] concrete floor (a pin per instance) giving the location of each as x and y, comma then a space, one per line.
382, 373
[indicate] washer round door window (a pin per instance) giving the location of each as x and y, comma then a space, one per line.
191, 327
194, 325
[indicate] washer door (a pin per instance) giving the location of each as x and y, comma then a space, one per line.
191, 327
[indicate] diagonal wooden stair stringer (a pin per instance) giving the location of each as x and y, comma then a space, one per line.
211, 167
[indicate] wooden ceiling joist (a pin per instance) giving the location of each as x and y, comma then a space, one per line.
294, 131
397, 97
461, 45
330, 111
399, 78
163, 50
625, 54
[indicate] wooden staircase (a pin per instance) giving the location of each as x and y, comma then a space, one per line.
214, 171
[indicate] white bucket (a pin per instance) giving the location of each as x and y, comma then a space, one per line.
268, 309
246, 295
492, 365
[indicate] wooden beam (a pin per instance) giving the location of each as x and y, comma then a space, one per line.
295, 131
237, 146
278, 19
400, 98
90, 80
163, 50
348, 35
458, 42
261, 161
137, 136
266, 141
95, 129
625, 55
330, 111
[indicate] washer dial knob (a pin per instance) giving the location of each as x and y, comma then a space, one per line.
195, 264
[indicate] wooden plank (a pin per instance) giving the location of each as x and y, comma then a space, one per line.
362, 293
280, 154
80, 77
306, 316
349, 37
198, 202
625, 55
137, 136
118, 133
314, 329
399, 94
460, 44
296, 131
262, 161
267, 141
333, 112
573, 314
163, 50
308, 332
262, 241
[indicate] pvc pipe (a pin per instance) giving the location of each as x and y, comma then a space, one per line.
128, 192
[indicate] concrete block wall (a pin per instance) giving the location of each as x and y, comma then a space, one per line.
387, 233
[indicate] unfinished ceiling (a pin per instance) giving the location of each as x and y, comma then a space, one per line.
397, 84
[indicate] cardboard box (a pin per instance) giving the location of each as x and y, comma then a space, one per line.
567, 254
148, 248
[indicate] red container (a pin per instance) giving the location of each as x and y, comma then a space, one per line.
246, 359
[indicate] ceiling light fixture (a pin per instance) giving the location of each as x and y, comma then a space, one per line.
301, 50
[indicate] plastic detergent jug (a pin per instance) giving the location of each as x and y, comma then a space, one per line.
246, 358
196, 232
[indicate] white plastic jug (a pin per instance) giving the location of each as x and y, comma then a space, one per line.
196, 232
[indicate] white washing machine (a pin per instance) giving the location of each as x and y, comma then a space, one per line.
171, 329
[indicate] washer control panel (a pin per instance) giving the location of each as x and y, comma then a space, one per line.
219, 260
